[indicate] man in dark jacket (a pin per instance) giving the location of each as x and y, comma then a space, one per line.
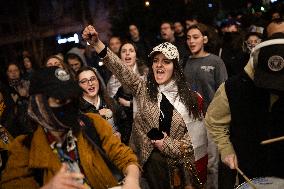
248, 109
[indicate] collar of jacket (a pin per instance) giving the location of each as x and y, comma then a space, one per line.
87, 107
41, 155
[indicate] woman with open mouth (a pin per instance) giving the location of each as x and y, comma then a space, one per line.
95, 99
122, 95
167, 113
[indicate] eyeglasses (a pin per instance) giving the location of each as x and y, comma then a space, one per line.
86, 81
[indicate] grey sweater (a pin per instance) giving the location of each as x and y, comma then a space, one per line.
205, 74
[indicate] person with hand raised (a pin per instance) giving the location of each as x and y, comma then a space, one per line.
165, 104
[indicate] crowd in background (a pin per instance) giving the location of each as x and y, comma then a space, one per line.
209, 55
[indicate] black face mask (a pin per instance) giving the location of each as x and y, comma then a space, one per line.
67, 114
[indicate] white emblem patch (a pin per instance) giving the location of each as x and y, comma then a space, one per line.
275, 63
61, 74
207, 68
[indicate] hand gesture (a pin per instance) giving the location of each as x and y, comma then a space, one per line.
65, 180
107, 113
91, 35
231, 161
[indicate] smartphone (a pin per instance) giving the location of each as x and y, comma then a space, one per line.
155, 134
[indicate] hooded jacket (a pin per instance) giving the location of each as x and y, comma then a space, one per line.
76, 51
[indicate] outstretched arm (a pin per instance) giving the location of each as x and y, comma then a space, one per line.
126, 76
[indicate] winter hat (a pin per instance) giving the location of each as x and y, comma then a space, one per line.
54, 82
269, 68
169, 50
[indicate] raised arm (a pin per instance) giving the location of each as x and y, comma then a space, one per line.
126, 76
92, 37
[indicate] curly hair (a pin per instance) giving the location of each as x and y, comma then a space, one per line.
187, 96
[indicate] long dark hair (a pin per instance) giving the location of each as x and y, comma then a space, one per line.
188, 97
35, 66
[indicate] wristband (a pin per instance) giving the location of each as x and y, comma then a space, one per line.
103, 53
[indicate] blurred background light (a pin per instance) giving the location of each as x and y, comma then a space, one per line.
74, 38
147, 3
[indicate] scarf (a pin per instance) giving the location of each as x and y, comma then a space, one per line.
40, 112
195, 128
170, 90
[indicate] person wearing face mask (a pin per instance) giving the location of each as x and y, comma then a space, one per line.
56, 60
168, 112
248, 109
232, 52
58, 154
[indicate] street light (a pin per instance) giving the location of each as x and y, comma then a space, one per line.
147, 3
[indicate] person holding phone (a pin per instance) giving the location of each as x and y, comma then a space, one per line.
167, 112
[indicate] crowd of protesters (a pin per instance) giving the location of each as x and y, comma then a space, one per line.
167, 99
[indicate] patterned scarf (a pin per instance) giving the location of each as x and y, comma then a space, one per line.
40, 112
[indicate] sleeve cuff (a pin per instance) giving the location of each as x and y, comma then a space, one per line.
226, 151
103, 53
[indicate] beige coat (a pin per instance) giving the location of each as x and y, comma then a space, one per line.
147, 116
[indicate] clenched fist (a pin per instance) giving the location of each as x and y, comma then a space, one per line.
91, 35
